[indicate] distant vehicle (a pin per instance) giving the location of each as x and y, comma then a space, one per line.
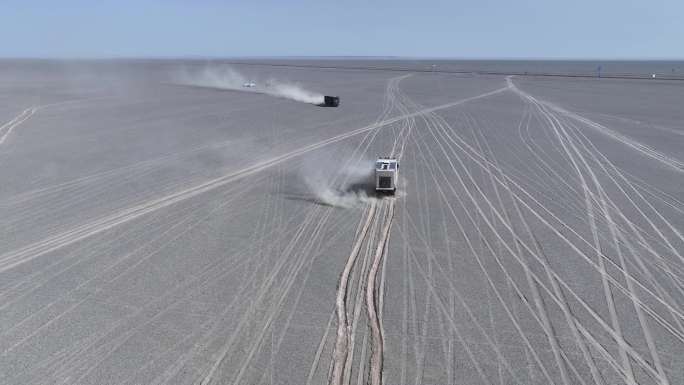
331, 101
249, 85
386, 173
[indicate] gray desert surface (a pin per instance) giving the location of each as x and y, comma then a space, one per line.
161, 223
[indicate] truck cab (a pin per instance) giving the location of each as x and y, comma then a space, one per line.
386, 172
330, 101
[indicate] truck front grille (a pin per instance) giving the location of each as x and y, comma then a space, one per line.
385, 182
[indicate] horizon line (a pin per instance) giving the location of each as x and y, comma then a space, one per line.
325, 57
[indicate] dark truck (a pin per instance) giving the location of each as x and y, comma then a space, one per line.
330, 101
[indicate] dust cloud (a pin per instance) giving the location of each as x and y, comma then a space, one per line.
293, 92
227, 78
347, 186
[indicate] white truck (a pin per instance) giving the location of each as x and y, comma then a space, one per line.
386, 172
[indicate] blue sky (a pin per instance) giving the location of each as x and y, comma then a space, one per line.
460, 29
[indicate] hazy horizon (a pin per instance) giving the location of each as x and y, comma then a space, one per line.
348, 57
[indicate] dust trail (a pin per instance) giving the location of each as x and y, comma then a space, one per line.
292, 91
227, 78
319, 174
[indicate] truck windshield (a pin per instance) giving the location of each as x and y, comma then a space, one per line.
385, 166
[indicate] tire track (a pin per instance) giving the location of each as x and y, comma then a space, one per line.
342, 341
371, 300
27, 253
622, 289
7, 128
669, 161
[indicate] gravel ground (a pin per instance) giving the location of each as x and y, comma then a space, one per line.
156, 232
